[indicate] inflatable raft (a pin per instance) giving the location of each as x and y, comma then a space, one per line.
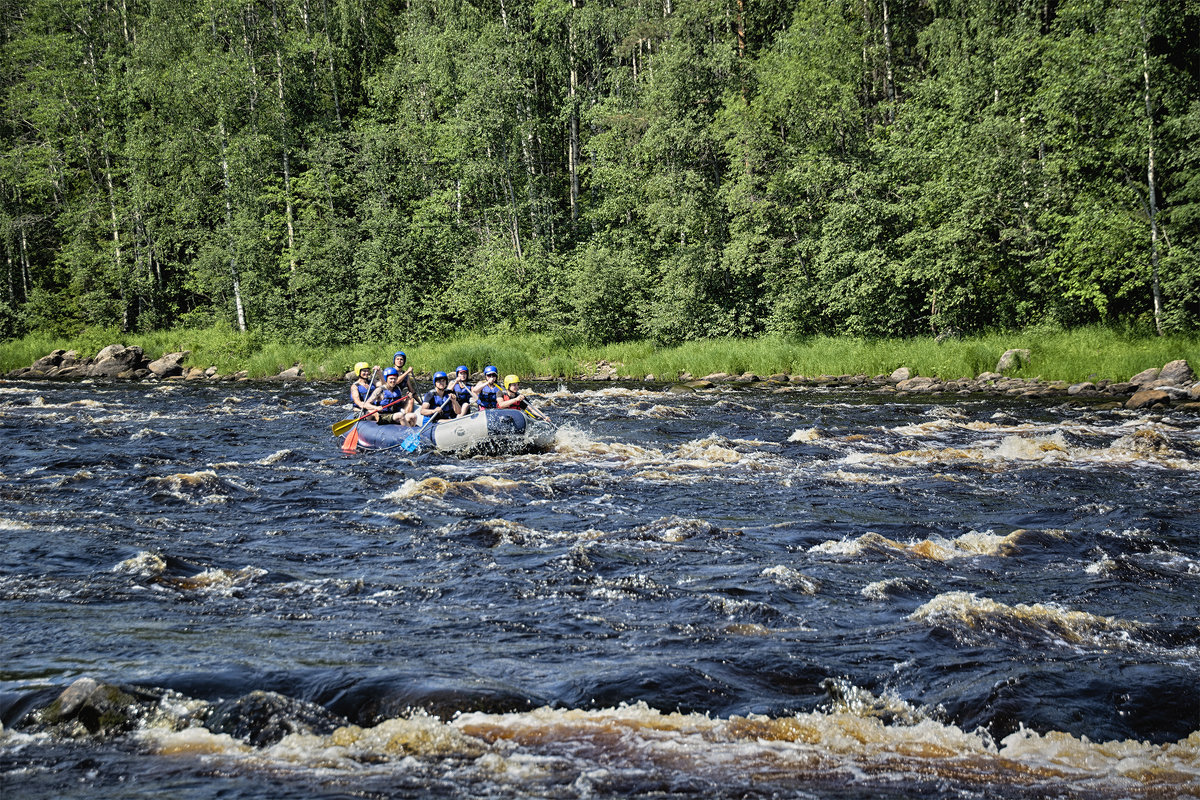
504, 430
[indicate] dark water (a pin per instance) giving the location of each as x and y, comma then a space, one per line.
732, 593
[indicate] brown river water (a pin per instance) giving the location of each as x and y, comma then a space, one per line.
732, 593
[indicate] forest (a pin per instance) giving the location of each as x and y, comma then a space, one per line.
333, 171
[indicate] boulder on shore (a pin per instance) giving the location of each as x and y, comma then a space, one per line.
1177, 372
1013, 359
170, 364
115, 359
291, 374
900, 374
1145, 376
917, 384
1146, 398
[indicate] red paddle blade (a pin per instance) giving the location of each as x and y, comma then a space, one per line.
350, 445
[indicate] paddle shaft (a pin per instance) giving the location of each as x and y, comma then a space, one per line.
344, 425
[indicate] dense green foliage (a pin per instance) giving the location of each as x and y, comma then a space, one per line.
327, 172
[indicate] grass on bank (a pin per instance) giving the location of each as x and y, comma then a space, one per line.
1092, 353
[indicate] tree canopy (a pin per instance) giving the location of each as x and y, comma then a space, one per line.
331, 170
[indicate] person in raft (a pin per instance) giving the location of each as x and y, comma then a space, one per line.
486, 392
511, 397
362, 389
406, 381
440, 403
392, 396
461, 387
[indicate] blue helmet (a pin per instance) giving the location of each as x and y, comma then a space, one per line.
463, 368
490, 370
389, 372
437, 376
399, 354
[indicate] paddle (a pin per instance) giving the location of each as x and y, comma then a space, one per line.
346, 424
411, 441
536, 415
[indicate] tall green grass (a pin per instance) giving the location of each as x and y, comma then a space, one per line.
1092, 353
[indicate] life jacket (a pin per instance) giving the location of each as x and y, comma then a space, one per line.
463, 393
488, 396
519, 405
390, 395
362, 391
433, 401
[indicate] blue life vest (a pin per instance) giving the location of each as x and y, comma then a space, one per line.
363, 391
488, 397
463, 393
390, 396
433, 401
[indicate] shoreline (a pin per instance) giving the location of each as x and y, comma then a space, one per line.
1173, 385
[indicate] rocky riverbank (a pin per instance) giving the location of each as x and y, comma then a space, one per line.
1172, 385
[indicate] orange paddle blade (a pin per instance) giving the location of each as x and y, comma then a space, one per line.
350, 445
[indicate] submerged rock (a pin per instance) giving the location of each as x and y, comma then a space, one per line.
91, 708
264, 718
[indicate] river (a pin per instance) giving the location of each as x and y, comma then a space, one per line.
731, 593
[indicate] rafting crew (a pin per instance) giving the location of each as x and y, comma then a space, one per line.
394, 400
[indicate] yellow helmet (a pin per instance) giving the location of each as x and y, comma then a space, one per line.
360, 366
509, 380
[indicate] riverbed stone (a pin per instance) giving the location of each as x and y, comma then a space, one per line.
1014, 358
716, 377
1122, 387
984, 377
264, 718
92, 708
901, 374
169, 364
1194, 392
1177, 372
1145, 398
